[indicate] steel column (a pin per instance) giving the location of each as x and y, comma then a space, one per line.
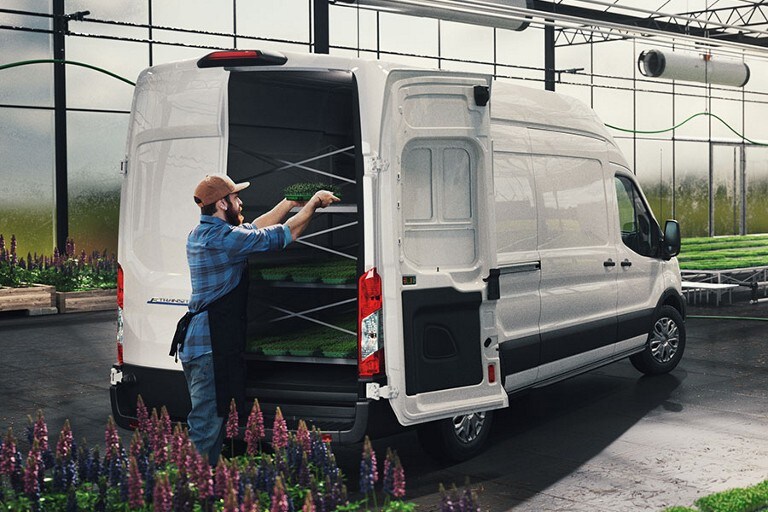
61, 192
321, 26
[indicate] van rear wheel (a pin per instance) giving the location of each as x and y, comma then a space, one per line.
665, 345
456, 439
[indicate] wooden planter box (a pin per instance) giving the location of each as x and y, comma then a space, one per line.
36, 298
91, 300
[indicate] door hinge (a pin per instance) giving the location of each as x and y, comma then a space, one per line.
115, 376
378, 165
376, 391
124, 167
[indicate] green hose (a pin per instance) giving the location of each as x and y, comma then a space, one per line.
718, 317
59, 61
648, 132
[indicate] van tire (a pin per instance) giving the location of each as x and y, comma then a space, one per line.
665, 345
446, 440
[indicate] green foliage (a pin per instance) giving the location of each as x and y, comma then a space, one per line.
679, 509
724, 252
749, 499
305, 191
66, 270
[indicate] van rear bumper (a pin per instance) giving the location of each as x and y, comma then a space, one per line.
168, 388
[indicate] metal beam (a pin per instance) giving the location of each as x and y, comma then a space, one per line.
61, 192
322, 40
670, 25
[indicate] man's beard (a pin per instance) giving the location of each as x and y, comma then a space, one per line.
232, 216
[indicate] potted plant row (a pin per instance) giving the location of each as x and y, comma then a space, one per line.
332, 272
66, 280
317, 341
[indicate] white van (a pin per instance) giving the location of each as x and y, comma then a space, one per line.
490, 239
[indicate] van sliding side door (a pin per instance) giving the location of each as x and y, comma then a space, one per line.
442, 355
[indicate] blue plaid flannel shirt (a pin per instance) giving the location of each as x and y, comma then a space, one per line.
217, 253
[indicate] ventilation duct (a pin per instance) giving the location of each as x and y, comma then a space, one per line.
469, 14
692, 68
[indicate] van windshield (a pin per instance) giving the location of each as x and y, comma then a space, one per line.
291, 132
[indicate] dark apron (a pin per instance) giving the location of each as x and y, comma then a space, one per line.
227, 320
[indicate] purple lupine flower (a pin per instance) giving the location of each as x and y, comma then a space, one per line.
8, 453
166, 428
449, 502
249, 503
135, 484
157, 439
279, 431
137, 448
398, 479
163, 497
70, 475
468, 501
95, 466
203, 477
230, 501
254, 429
13, 250
64, 448
40, 432
302, 436
112, 441
309, 503
3, 254
388, 473
367, 469
142, 415
149, 485
220, 479
279, 498
233, 425
31, 472
304, 474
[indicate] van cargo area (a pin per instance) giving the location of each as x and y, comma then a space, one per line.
288, 128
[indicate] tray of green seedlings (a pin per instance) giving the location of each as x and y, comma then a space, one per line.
316, 341
341, 271
332, 272
305, 191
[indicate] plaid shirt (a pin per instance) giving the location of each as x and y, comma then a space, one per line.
217, 253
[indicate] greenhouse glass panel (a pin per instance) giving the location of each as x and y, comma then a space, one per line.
26, 197
756, 173
726, 189
421, 33
654, 172
88, 88
692, 187
654, 113
730, 121
96, 143
275, 19
30, 85
349, 25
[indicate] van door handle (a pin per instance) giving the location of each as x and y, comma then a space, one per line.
609, 263
626, 263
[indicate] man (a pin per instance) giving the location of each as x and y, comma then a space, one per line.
211, 353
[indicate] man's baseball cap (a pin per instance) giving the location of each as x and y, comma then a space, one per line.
216, 187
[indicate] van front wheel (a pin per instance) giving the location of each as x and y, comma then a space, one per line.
456, 439
665, 345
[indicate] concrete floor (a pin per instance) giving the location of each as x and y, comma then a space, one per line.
609, 440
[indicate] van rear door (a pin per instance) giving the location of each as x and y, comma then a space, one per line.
442, 358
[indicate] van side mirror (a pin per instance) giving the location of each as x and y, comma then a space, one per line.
671, 245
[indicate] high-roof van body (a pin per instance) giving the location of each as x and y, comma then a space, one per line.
491, 238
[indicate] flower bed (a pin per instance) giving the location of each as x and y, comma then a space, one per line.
29, 297
91, 300
74, 282
162, 471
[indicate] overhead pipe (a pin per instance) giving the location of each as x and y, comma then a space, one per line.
461, 15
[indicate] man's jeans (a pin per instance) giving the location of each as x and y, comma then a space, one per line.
206, 428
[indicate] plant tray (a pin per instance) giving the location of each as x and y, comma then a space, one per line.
338, 280
275, 277
305, 279
274, 351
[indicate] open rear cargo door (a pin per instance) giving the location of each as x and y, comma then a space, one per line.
444, 361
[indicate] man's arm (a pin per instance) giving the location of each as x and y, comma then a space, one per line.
275, 215
298, 223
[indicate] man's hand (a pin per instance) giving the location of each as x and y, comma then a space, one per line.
323, 198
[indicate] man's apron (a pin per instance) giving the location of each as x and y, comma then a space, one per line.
227, 320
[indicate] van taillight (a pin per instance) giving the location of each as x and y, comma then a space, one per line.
370, 341
120, 296
235, 58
